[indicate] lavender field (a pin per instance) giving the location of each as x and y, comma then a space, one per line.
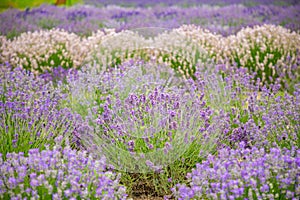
151, 100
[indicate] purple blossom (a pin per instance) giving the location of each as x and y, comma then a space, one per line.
206, 178
31, 105
71, 172
84, 20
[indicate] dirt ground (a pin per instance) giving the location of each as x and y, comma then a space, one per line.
145, 198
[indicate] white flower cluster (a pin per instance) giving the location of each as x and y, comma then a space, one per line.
42, 50
260, 47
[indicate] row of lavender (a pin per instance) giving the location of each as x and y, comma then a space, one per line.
84, 19
272, 52
145, 3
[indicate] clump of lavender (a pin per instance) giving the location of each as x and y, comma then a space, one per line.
30, 114
269, 117
143, 119
265, 121
160, 120
60, 173
249, 111
144, 113
182, 55
40, 51
245, 173
270, 51
149, 134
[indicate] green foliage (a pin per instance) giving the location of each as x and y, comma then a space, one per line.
17, 135
22, 4
53, 60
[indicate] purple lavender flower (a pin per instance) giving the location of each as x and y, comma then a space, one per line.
207, 177
72, 174
30, 114
84, 19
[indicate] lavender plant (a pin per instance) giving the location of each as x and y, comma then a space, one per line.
35, 152
39, 52
148, 133
141, 117
244, 173
249, 111
60, 173
267, 55
30, 114
151, 44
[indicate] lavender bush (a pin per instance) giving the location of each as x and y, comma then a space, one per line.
140, 117
269, 59
264, 122
151, 44
270, 52
251, 112
41, 51
35, 154
61, 173
253, 173
30, 114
